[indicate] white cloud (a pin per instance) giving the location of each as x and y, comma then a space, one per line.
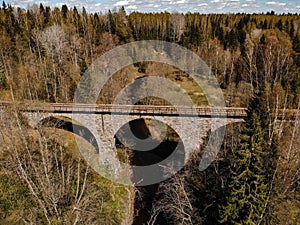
45, 2
177, 2
59, 4
215, 1
26, 1
276, 3
22, 2
17, 6
149, 5
122, 3
131, 7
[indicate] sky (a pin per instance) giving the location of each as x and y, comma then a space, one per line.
201, 6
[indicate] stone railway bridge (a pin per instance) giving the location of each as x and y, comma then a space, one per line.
99, 124
103, 121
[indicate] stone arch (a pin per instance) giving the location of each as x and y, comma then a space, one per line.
70, 125
176, 123
144, 142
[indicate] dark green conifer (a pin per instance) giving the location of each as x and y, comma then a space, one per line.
64, 10
249, 184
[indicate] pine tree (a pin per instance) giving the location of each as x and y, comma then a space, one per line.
64, 10
249, 184
296, 44
279, 25
292, 30
3, 81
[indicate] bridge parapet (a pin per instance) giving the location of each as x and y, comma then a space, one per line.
131, 109
144, 110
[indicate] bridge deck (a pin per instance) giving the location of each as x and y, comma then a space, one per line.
130, 109
230, 112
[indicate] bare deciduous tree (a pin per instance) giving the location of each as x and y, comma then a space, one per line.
177, 21
174, 203
62, 184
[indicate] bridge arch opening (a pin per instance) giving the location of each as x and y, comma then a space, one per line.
68, 124
166, 144
150, 141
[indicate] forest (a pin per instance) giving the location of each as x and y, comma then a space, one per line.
255, 179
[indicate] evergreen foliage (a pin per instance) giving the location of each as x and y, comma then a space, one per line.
250, 179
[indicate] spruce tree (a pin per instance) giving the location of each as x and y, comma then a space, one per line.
3, 81
249, 183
